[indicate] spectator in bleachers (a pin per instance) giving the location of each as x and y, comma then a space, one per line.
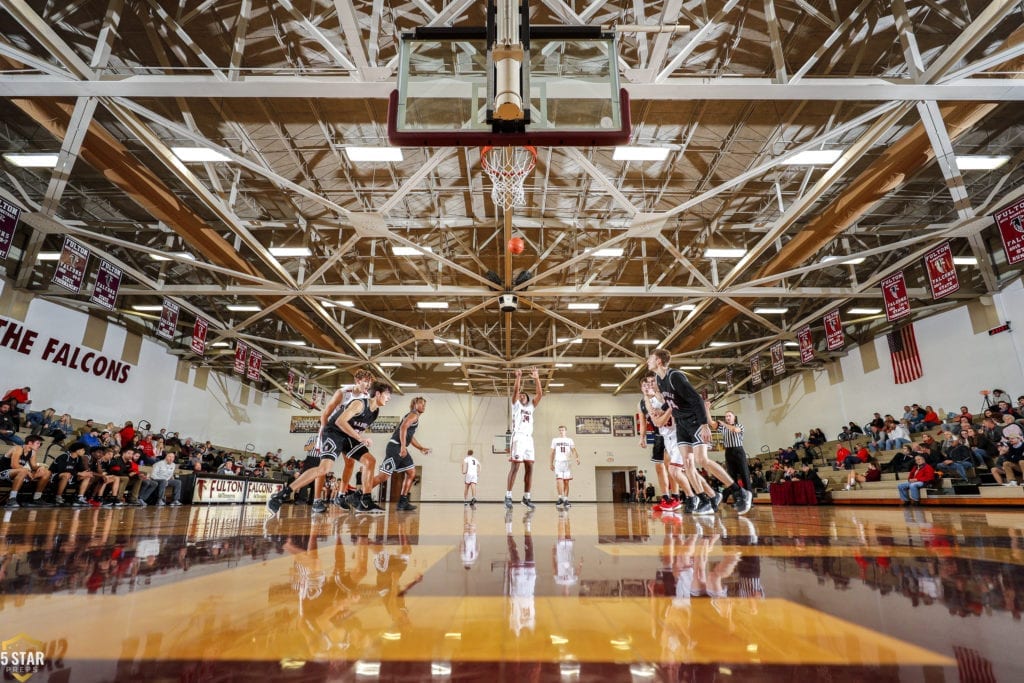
931, 448
20, 396
845, 434
873, 473
957, 457
1006, 408
84, 429
798, 440
71, 468
39, 421
809, 473
916, 423
145, 447
856, 428
9, 426
909, 414
195, 462
105, 486
64, 429
1011, 453
136, 477
92, 439
921, 475
992, 430
227, 467
162, 476
931, 418
1007, 420
126, 434
981, 446
845, 459
816, 437
902, 461
19, 465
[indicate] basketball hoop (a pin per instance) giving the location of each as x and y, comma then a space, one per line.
507, 167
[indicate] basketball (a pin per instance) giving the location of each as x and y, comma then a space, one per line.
516, 245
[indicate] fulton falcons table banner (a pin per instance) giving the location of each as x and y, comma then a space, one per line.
255, 363
755, 371
70, 273
897, 301
942, 278
778, 359
199, 330
834, 337
1010, 222
241, 354
9, 215
108, 281
168, 320
806, 344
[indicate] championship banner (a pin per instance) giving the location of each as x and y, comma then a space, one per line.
70, 273
108, 281
255, 364
168, 320
755, 371
806, 344
199, 336
290, 384
241, 353
778, 359
942, 278
9, 215
1010, 222
897, 301
834, 338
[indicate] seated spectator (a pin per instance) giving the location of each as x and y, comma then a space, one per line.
9, 426
957, 457
916, 423
1011, 453
162, 476
118, 465
931, 418
92, 439
126, 435
845, 434
856, 428
71, 468
788, 457
816, 437
903, 461
798, 440
809, 473
40, 422
931, 448
85, 429
105, 490
1006, 408
863, 454
145, 447
873, 473
136, 477
896, 435
195, 462
20, 398
921, 475
19, 465
64, 429
845, 459
984, 451
228, 467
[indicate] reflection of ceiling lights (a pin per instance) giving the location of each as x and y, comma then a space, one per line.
380, 154
712, 252
192, 155
865, 311
32, 160
814, 157
290, 251
632, 153
978, 162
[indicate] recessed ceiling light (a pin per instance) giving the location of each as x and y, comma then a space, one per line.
555, 384
865, 311
431, 304
30, 160
563, 365
220, 345
367, 340
295, 342
584, 306
633, 153
324, 367
680, 307
625, 365
407, 384
197, 154
979, 162
569, 340
645, 342
374, 153
721, 381
460, 384
712, 252
48, 256
179, 254
391, 365
410, 251
453, 365
607, 384
609, 252
717, 344
965, 261
347, 303
846, 260
791, 344
814, 157
290, 251
242, 308
770, 311
148, 307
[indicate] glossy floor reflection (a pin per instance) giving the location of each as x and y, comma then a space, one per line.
452, 593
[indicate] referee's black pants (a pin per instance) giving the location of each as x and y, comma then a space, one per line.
736, 465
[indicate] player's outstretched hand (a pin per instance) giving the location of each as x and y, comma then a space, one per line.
519, 373
535, 373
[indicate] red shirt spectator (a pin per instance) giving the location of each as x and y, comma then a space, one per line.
146, 446
863, 454
841, 454
127, 433
922, 473
931, 418
20, 395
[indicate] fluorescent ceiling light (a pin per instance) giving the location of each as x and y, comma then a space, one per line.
197, 154
625, 365
431, 304
979, 162
241, 308
584, 306
770, 311
712, 252
324, 367
453, 365
179, 254
632, 153
48, 256
606, 384
569, 340
965, 261
555, 384
680, 307
347, 303
460, 384
814, 157
690, 367
290, 251
148, 307
791, 344
609, 252
852, 261
296, 342
721, 381
410, 251
220, 345
32, 160
563, 365
645, 342
391, 365
442, 340
407, 384
374, 153
865, 311
717, 344
367, 340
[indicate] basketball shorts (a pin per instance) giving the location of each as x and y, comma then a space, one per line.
672, 454
658, 449
394, 462
562, 470
686, 434
333, 442
471, 478
522, 448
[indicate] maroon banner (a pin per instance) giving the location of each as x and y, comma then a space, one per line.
241, 354
290, 385
9, 215
168, 320
806, 344
755, 371
70, 273
108, 281
301, 391
199, 331
834, 337
897, 301
255, 364
778, 359
1010, 222
942, 278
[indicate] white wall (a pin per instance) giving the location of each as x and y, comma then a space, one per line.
957, 364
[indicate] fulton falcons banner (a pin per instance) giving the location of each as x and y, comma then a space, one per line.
897, 301
108, 281
9, 215
241, 354
290, 385
168, 320
942, 278
755, 371
778, 359
806, 344
1010, 222
834, 338
70, 273
199, 330
255, 364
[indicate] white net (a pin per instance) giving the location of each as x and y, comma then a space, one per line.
507, 167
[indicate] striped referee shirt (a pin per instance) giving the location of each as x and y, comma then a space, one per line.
731, 439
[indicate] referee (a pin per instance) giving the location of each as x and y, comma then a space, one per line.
732, 438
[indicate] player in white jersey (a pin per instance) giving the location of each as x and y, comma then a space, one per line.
661, 417
469, 549
561, 448
522, 436
522, 582
471, 474
567, 569
339, 401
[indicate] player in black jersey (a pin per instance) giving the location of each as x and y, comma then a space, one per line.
339, 401
397, 458
693, 431
345, 435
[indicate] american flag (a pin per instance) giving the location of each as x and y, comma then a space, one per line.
906, 362
973, 668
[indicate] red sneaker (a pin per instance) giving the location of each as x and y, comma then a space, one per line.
671, 505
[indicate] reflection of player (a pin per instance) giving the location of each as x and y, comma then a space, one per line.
468, 548
522, 436
566, 567
522, 581
561, 448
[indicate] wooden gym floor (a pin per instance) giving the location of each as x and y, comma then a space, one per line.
446, 593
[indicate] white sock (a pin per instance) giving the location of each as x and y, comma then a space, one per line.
526, 495
508, 494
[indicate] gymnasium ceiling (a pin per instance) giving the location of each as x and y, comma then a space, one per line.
283, 87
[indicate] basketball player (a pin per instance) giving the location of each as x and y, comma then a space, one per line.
471, 472
669, 487
18, 465
397, 458
469, 549
567, 569
692, 431
339, 401
695, 499
344, 434
522, 436
561, 448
